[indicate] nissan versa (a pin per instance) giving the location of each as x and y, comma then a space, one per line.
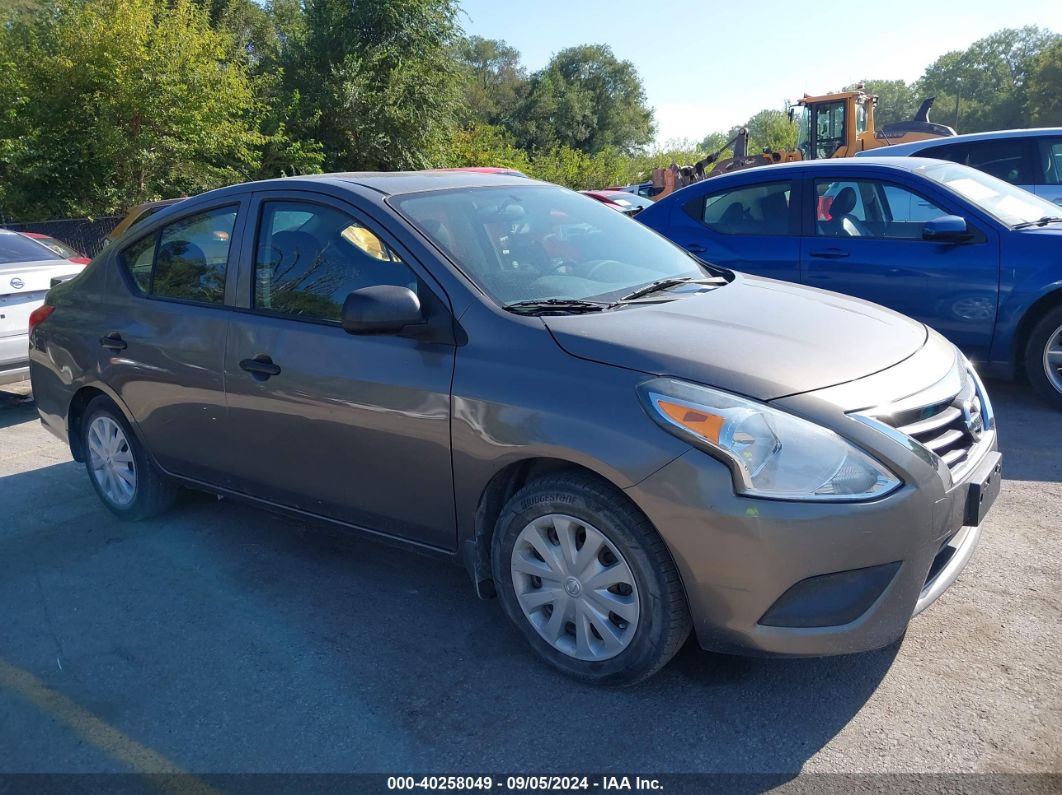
620, 441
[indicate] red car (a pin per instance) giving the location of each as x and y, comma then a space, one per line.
58, 247
621, 200
508, 172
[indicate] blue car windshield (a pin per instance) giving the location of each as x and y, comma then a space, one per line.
1006, 203
537, 242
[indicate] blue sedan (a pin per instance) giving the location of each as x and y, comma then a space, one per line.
974, 257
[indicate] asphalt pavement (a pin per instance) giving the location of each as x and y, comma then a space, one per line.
220, 638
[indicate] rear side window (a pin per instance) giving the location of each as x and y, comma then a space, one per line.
186, 260
1003, 158
754, 210
309, 258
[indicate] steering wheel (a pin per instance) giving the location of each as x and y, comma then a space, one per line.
595, 265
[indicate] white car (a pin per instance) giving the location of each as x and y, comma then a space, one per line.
1030, 159
26, 272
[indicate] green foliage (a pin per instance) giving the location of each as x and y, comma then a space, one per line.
487, 145
586, 99
771, 129
377, 82
984, 87
495, 82
897, 101
120, 101
1043, 97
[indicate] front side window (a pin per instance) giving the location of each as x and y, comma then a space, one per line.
753, 210
185, 260
872, 209
310, 257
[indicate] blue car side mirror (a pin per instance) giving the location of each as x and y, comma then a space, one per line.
946, 229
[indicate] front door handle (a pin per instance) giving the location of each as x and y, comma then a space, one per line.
829, 253
114, 342
261, 367
695, 248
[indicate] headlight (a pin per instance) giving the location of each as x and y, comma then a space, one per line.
771, 453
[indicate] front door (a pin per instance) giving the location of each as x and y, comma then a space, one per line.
354, 428
866, 240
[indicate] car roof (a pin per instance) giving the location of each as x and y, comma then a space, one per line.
394, 183
916, 146
831, 164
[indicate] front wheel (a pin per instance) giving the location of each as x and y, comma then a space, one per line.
1043, 357
588, 581
123, 475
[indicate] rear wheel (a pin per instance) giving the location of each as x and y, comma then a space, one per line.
1043, 357
122, 474
588, 581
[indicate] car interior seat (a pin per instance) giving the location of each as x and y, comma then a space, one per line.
842, 223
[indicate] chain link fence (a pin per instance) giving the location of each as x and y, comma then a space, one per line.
85, 234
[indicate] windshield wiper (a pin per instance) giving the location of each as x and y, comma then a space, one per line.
557, 305
1047, 219
671, 281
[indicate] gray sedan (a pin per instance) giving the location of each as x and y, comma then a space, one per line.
621, 442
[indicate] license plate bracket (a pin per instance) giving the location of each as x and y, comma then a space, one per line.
984, 488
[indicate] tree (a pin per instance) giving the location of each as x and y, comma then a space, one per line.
1043, 100
586, 99
897, 101
120, 101
494, 82
984, 86
771, 129
375, 81
486, 145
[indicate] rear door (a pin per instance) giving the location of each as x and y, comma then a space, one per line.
747, 227
162, 336
351, 427
876, 252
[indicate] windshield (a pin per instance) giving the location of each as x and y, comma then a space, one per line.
544, 242
57, 246
16, 248
1006, 203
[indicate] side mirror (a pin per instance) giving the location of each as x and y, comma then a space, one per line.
381, 309
946, 229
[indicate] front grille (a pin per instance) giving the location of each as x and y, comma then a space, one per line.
951, 422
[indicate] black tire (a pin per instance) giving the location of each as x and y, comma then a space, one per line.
664, 618
1042, 334
153, 492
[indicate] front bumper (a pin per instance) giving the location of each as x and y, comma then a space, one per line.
881, 562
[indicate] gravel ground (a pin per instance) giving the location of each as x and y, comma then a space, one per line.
221, 638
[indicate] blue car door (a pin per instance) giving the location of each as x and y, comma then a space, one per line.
747, 227
863, 236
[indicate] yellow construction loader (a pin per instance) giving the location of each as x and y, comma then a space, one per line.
832, 125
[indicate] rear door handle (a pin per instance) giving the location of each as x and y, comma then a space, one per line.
261, 367
829, 253
114, 342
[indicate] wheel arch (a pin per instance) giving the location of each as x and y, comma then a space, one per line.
76, 413
1036, 311
499, 489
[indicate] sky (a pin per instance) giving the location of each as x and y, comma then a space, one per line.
705, 70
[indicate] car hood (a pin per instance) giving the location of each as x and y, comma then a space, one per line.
758, 337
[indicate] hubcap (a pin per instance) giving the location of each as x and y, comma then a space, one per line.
575, 587
111, 461
1053, 358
